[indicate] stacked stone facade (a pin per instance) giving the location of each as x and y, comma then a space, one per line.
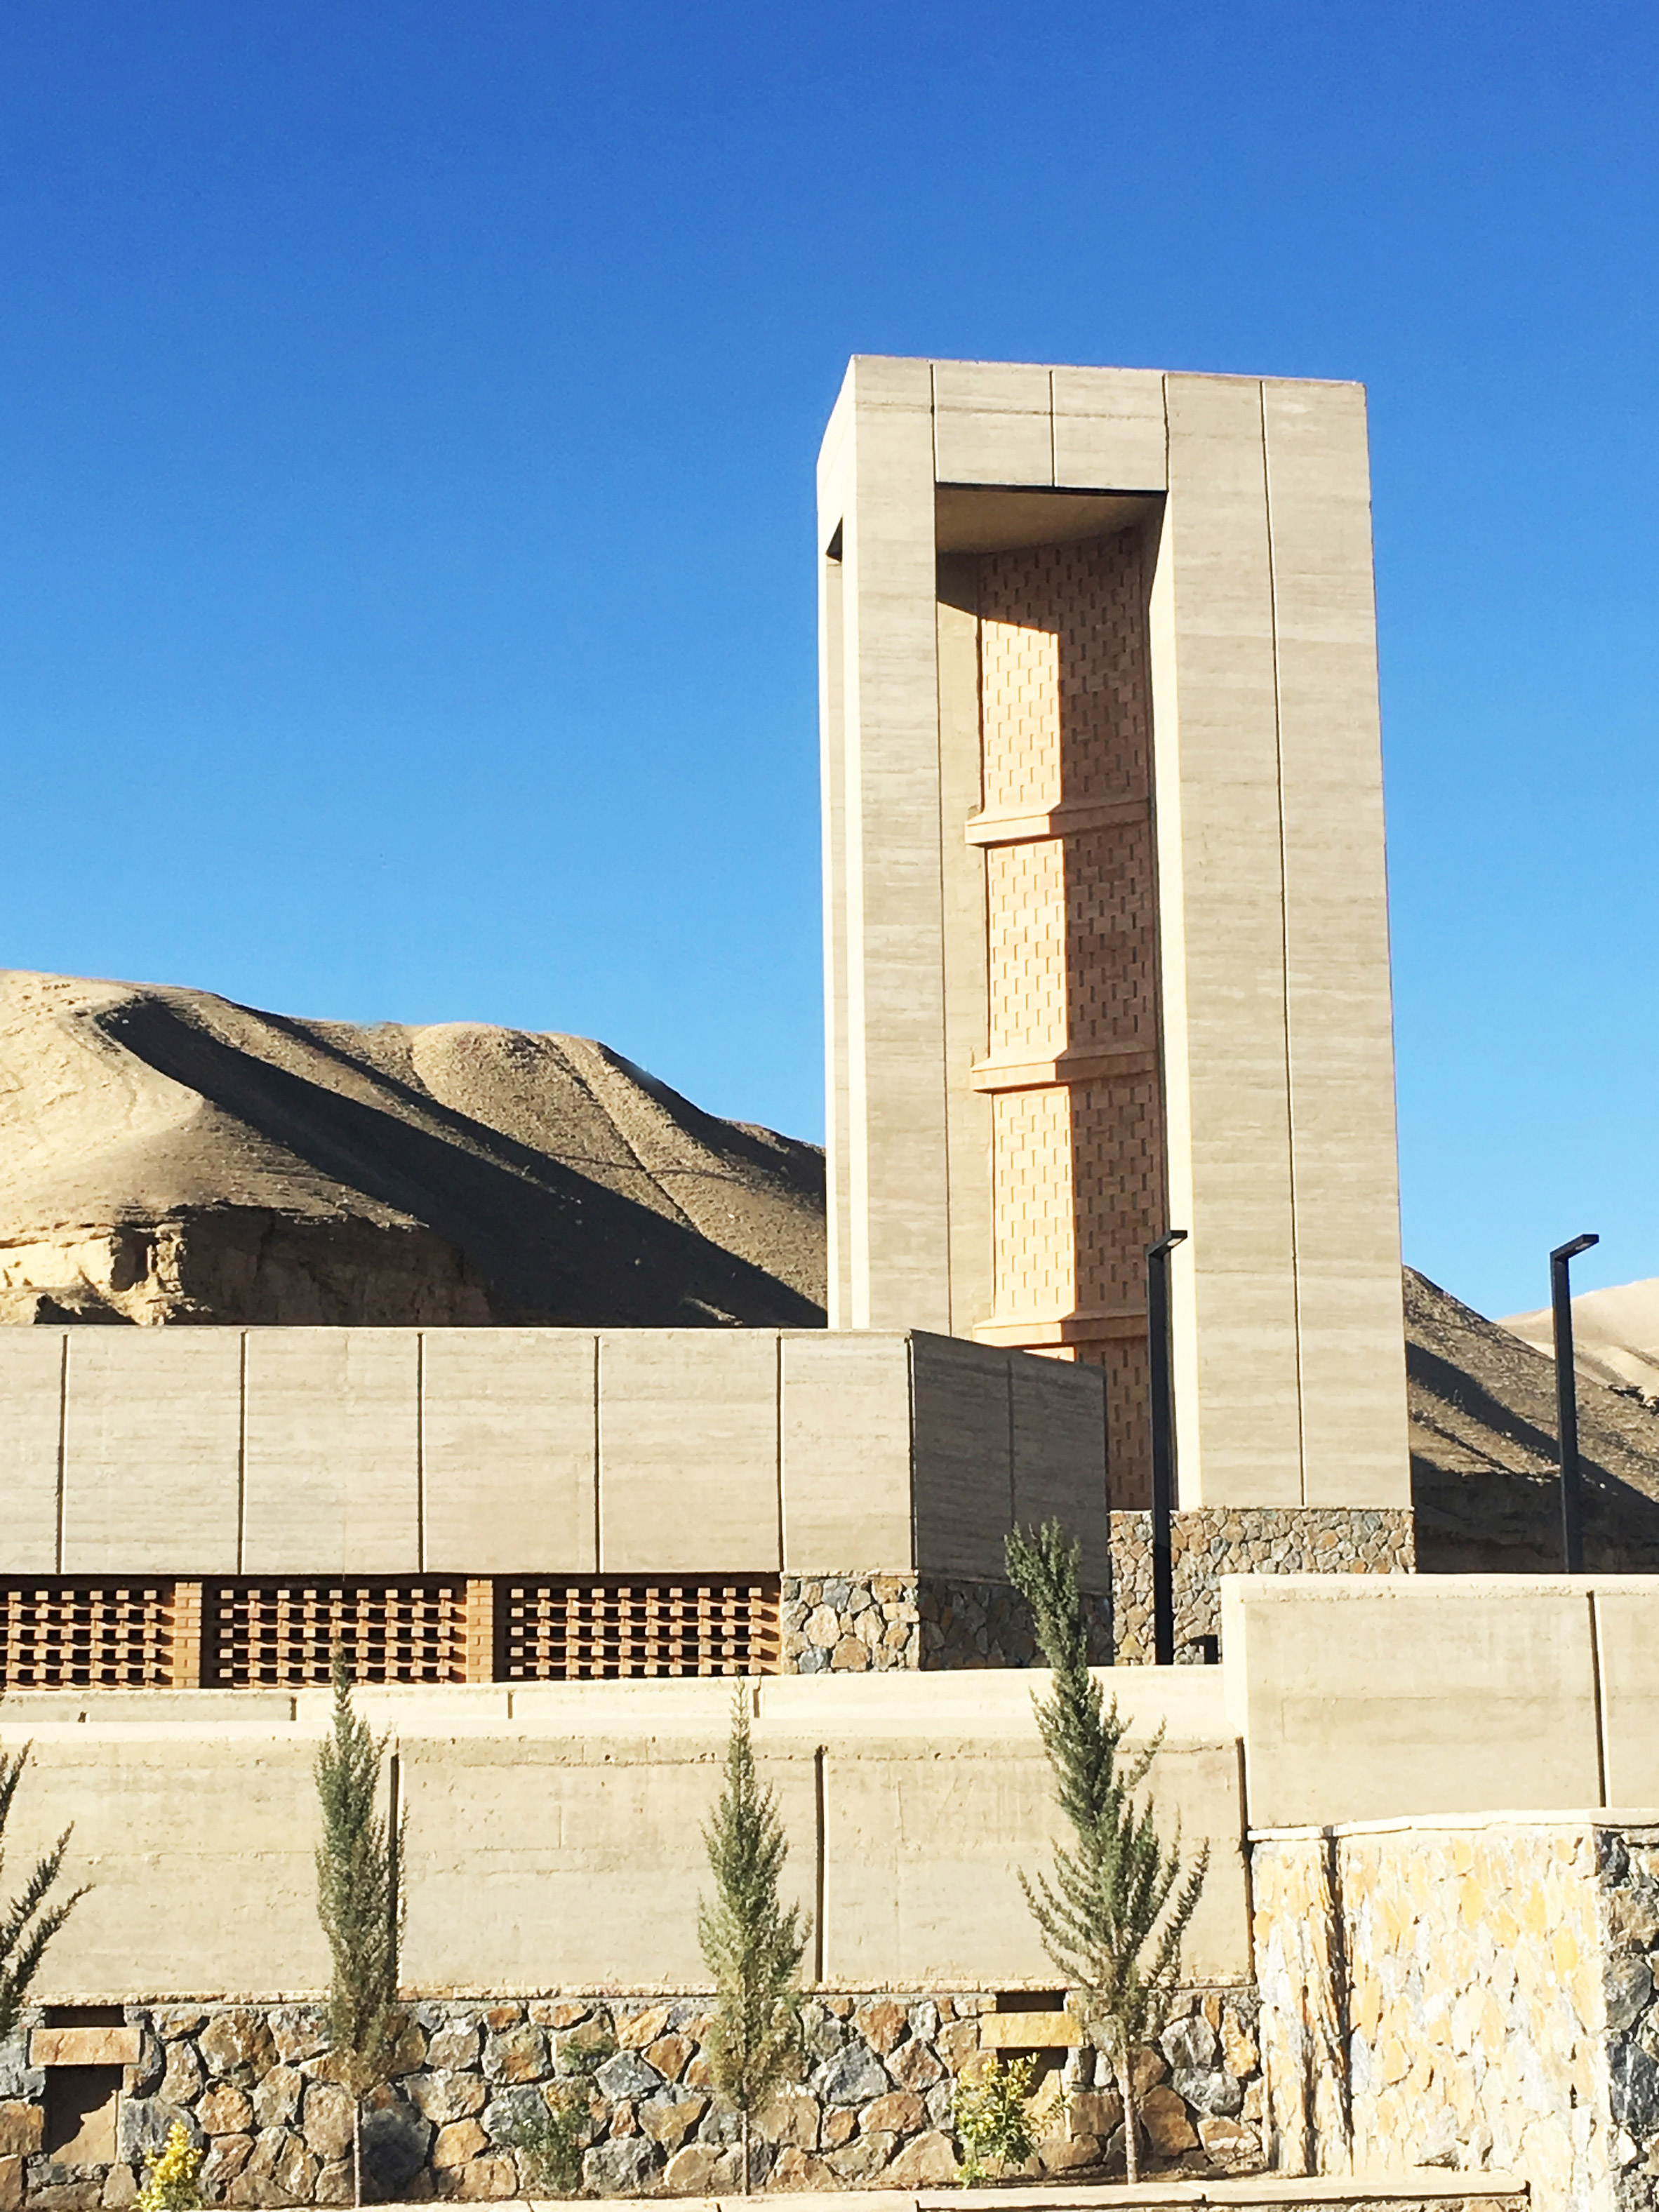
1209, 1541
256, 2087
1478, 1997
859, 1623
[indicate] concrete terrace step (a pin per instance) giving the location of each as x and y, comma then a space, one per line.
1432, 2188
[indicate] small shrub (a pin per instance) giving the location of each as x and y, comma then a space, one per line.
993, 2116
551, 2144
174, 2180
585, 2052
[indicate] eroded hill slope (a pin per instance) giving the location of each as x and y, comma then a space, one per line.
169, 1156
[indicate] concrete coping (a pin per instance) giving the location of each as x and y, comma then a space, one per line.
1451, 1824
1417, 2184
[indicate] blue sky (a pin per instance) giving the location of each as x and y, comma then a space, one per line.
407, 418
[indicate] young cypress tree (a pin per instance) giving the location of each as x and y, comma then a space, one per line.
360, 1903
1115, 1914
751, 1945
28, 1923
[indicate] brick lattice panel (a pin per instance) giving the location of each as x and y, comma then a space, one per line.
1078, 1175
109, 1634
1025, 908
283, 1633
596, 1628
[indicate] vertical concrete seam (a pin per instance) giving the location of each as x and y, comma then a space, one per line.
820, 1863
62, 1452
1054, 436
1283, 945
944, 972
1598, 1693
598, 1463
915, 1471
241, 1453
1008, 1393
777, 1410
420, 1451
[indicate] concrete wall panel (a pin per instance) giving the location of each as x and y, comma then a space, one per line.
1248, 1448
846, 1453
1338, 1004
896, 1151
1108, 429
1059, 1422
199, 1849
535, 1864
508, 1451
689, 1451
1364, 1698
992, 423
963, 1470
152, 1444
332, 1480
31, 1416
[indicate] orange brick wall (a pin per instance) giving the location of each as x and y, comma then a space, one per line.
1072, 940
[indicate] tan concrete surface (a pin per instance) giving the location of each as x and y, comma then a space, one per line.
508, 1451
32, 1392
561, 1848
1273, 1055
1370, 1697
331, 1470
152, 1439
845, 1450
469, 1451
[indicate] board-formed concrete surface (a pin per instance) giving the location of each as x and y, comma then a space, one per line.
1105, 918
167, 1155
556, 1832
389, 1451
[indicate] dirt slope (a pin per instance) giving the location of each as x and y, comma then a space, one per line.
166, 1156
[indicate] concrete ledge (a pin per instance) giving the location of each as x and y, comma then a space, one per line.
1433, 2185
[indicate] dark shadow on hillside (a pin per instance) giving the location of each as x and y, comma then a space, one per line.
551, 1245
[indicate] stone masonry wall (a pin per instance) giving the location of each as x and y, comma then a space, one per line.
863, 1623
256, 2085
1492, 1989
1210, 1542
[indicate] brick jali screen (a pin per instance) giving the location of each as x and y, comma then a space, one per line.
61, 1635
232, 1634
568, 1629
284, 1633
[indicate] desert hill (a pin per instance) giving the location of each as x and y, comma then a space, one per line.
1483, 1444
1615, 1335
169, 1156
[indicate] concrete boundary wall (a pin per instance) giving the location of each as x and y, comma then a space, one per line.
387, 1451
1373, 1696
556, 1831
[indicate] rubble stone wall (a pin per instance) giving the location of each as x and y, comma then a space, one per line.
1209, 1541
256, 2086
863, 1623
1492, 1987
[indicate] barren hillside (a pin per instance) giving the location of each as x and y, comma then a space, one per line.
1483, 1438
168, 1156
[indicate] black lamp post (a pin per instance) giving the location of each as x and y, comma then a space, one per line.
1163, 1395
1566, 1403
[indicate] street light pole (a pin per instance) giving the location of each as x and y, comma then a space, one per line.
1566, 1403
1162, 1397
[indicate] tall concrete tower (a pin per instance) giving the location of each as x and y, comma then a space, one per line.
1106, 919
